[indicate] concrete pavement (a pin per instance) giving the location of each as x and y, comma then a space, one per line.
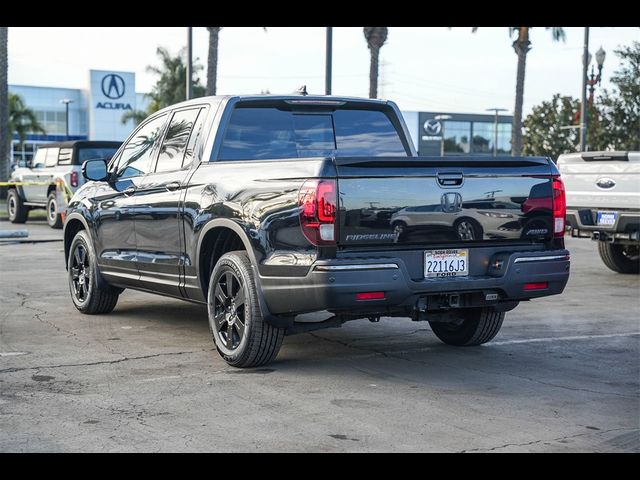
562, 375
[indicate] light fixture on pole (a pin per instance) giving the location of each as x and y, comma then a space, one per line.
495, 128
66, 102
593, 79
441, 119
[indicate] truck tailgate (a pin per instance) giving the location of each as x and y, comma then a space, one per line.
398, 201
601, 180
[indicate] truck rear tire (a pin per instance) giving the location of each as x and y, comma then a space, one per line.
54, 219
478, 326
620, 258
16, 209
241, 335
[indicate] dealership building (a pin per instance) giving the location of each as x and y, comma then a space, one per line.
95, 113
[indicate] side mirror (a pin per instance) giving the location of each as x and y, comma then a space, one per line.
95, 170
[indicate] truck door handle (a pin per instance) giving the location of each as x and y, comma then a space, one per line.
450, 179
129, 191
173, 186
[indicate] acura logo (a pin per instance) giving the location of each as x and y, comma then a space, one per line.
432, 127
451, 202
112, 86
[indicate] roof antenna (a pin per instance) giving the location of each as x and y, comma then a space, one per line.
302, 90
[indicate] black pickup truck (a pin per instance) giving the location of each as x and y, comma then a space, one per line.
266, 207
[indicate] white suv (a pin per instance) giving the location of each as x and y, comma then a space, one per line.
53, 164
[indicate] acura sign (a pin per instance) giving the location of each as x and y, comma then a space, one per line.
111, 94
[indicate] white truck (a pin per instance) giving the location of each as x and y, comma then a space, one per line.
603, 203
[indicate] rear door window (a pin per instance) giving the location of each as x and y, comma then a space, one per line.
174, 146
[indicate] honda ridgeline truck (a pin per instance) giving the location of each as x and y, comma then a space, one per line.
266, 207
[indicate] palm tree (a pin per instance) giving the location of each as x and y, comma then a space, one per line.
212, 59
375, 36
522, 45
22, 120
5, 135
171, 86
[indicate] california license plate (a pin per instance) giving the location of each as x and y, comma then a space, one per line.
446, 263
606, 219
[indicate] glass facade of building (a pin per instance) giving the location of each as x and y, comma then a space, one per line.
459, 133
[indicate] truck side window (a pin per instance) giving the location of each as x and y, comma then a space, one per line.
174, 146
52, 157
40, 158
136, 155
65, 156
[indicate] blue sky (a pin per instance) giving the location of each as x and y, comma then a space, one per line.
423, 68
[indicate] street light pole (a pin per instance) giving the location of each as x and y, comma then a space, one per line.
495, 128
583, 105
189, 89
329, 59
66, 102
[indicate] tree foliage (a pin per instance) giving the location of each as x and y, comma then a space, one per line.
613, 122
22, 120
171, 86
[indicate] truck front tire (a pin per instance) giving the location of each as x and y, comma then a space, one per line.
620, 258
241, 335
16, 209
54, 219
475, 327
88, 294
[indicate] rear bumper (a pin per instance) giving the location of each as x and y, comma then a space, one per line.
582, 223
333, 285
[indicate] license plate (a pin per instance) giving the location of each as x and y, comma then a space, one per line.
607, 219
446, 263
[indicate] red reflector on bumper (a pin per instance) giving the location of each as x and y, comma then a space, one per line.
370, 296
536, 286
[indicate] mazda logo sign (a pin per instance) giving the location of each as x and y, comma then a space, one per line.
432, 127
112, 86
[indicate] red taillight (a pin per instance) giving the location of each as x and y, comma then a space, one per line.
74, 179
559, 207
536, 286
370, 296
317, 200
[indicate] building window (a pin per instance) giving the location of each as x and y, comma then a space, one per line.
54, 122
484, 136
456, 137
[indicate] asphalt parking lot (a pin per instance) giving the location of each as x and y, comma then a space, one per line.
562, 375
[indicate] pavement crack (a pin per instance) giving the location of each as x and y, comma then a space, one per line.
24, 297
534, 442
104, 362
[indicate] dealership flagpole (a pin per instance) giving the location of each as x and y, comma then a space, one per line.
189, 89
583, 104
